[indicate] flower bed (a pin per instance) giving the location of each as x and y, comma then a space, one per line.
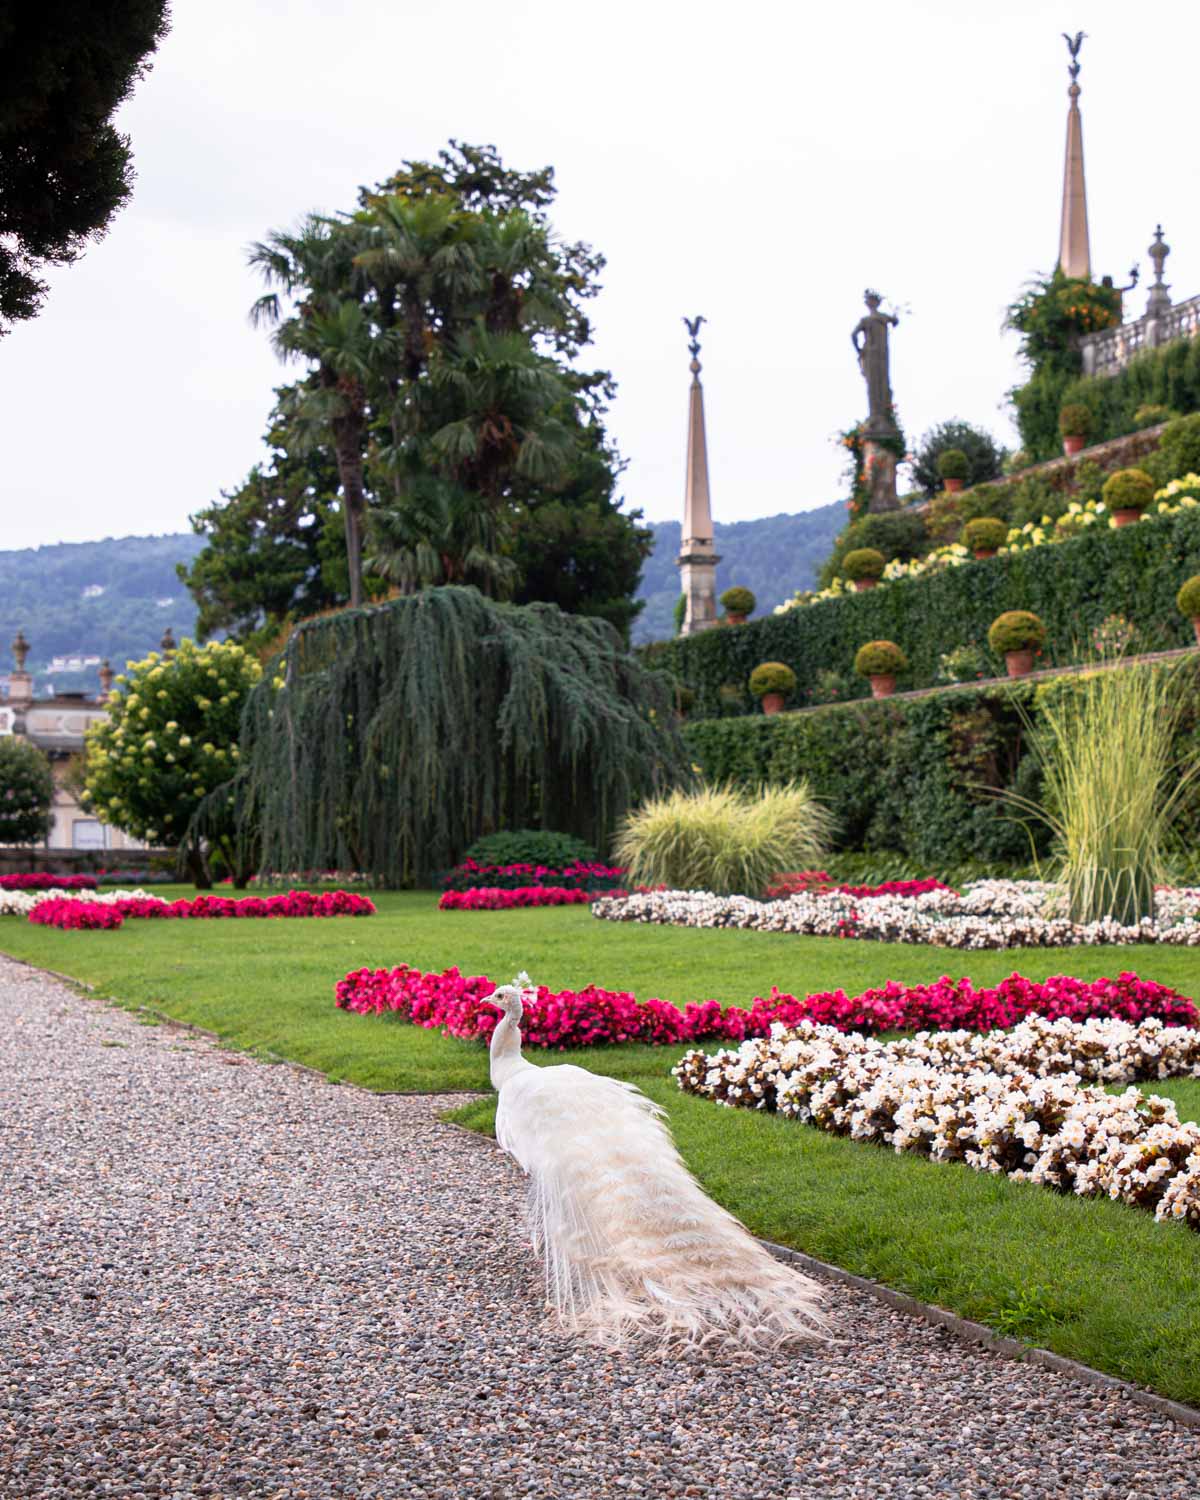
1007, 1102
72, 911
459, 1006
818, 883
42, 882
484, 898
576, 876
987, 914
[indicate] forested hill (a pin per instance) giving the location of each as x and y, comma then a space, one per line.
109, 599
114, 598
773, 556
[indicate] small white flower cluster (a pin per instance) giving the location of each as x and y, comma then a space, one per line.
21, 903
1008, 1102
988, 914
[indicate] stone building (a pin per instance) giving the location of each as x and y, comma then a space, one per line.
56, 725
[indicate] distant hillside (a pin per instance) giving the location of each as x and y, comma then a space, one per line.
108, 599
114, 598
773, 556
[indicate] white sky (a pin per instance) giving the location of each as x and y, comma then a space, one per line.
760, 164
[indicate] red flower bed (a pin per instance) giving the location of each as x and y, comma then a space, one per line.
459, 1006
41, 882
471, 876
818, 883
66, 913
492, 898
61, 911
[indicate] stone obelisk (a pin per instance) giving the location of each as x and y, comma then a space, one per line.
1074, 252
697, 560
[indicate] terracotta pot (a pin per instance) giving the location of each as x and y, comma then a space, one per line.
882, 686
1126, 517
773, 702
1196, 628
1073, 443
1019, 663
862, 584
982, 552
953, 485
734, 619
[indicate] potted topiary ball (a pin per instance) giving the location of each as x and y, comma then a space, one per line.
985, 536
880, 662
774, 683
737, 603
863, 567
1188, 600
1128, 493
954, 466
1016, 635
1074, 423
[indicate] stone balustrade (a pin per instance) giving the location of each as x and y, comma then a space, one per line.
1108, 352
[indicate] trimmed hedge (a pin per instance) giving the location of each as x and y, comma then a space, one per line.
917, 777
1072, 586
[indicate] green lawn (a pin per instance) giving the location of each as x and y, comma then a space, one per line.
1096, 1281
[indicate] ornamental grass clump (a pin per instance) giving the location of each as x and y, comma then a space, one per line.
721, 840
1112, 786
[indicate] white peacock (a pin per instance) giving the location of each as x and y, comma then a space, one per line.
632, 1245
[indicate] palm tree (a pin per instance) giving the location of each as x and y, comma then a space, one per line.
440, 533
327, 325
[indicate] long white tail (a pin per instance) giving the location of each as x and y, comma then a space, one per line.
632, 1244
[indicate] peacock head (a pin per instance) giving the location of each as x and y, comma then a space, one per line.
510, 997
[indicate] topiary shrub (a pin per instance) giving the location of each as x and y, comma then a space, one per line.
772, 677
987, 534
530, 846
880, 659
1128, 489
724, 841
952, 463
738, 601
1075, 420
985, 458
1016, 630
26, 792
1188, 598
863, 562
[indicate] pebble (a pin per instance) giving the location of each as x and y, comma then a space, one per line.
221, 1281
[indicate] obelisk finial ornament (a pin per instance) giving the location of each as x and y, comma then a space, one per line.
697, 560
1074, 251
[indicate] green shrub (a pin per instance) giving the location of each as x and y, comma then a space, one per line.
530, 846
895, 533
26, 792
863, 562
963, 664
1016, 630
987, 534
880, 659
1150, 415
1075, 420
1129, 489
1179, 448
1188, 598
738, 601
772, 677
986, 500
952, 463
985, 459
722, 840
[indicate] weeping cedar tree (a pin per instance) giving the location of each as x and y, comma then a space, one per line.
388, 739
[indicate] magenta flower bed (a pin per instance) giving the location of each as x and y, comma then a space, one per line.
65, 913
590, 877
460, 1007
492, 898
41, 882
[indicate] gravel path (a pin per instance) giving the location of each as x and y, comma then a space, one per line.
223, 1278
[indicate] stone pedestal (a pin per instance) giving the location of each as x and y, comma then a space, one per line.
879, 476
697, 564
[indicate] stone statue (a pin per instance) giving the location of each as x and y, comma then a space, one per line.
870, 340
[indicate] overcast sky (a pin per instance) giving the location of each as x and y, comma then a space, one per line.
757, 163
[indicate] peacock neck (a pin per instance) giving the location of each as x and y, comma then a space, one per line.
506, 1056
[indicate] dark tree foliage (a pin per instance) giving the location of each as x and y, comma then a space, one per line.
26, 792
273, 548
65, 67
389, 739
985, 457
